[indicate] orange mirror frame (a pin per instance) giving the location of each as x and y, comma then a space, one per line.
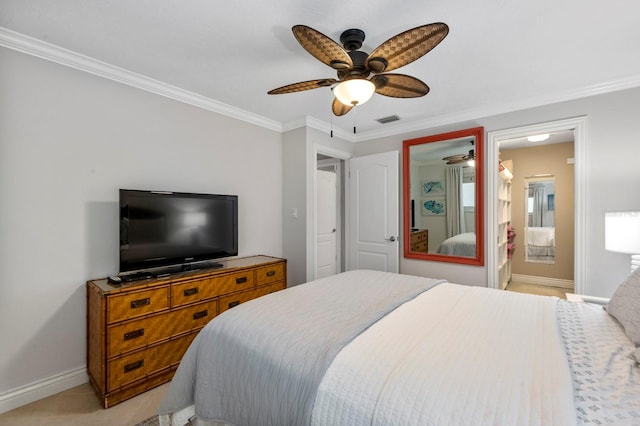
475, 138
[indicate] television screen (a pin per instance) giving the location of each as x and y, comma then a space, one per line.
175, 229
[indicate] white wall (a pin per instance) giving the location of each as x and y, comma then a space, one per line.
68, 141
613, 179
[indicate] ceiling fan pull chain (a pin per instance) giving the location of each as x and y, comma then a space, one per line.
331, 114
355, 113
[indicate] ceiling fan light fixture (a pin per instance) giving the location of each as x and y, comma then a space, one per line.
354, 92
538, 138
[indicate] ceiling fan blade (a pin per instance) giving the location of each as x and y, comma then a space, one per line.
339, 108
303, 85
322, 47
399, 86
406, 47
461, 160
456, 157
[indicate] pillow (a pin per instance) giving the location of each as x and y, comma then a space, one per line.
625, 306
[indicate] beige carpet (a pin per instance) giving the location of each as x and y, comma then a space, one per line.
151, 421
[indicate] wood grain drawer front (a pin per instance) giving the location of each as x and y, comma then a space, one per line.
233, 282
129, 368
421, 247
270, 274
192, 318
131, 335
419, 236
134, 304
271, 288
191, 291
229, 302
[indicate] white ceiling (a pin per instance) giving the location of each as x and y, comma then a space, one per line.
499, 55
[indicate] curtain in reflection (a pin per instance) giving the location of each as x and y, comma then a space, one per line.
455, 206
537, 218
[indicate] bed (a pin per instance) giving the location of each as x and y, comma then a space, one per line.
459, 245
376, 348
541, 243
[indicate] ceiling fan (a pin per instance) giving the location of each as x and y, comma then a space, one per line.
354, 84
460, 158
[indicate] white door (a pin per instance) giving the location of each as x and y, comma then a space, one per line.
373, 212
326, 250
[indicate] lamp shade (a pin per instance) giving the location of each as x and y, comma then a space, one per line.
622, 232
354, 92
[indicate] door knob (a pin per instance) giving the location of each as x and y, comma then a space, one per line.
390, 239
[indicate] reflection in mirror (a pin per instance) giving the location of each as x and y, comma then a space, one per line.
540, 231
443, 213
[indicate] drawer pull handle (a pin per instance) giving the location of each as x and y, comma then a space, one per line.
271, 273
134, 334
234, 303
133, 366
141, 302
200, 314
241, 280
191, 291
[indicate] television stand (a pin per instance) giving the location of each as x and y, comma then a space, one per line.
138, 333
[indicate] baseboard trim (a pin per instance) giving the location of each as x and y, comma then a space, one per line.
43, 388
546, 281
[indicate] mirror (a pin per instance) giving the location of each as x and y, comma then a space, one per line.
539, 220
443, 203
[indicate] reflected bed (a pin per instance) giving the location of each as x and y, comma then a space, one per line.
459, 245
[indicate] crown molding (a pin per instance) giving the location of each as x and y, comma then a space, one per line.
629, 82
38, 48
31, 46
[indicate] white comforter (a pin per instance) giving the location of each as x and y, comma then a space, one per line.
453, 355
261, 362
466, 355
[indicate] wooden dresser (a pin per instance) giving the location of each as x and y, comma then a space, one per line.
137, 332
420, 241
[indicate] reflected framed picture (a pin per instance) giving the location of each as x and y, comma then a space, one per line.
431, 187
551, 202
433, 206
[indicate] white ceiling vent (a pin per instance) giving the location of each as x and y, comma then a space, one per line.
389, 119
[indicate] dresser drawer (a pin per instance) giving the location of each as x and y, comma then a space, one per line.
419, 236
233, 282
229, 302
129, 368
270, 274
192, 317
131, 335
271, 288
192, 291
137, 303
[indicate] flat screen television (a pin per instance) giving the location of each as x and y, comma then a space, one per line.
175, 230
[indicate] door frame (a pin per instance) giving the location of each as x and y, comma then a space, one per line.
312, 196
579, 127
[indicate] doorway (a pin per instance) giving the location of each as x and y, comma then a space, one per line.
329, 230
497, 141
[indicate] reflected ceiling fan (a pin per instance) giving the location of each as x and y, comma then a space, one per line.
461, 158
355, 83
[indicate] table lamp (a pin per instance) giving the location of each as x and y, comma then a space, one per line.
622, 234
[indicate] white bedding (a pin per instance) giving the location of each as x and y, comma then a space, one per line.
467, 355
459, 245
452, 355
